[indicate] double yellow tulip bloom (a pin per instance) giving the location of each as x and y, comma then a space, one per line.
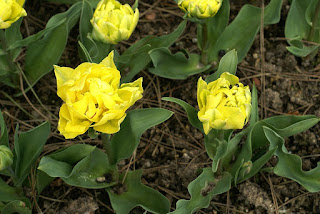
224, 103
200, 9
93, 98
10, 12
113, 22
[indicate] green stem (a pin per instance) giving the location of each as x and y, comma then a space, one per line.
220, 136
315, 20
106, 144
204, 44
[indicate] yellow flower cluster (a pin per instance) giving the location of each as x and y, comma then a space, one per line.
10, 12
224, 103
113, 22
93, 97
200, 9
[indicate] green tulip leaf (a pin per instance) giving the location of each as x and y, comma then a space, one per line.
25, 42
16, 207
175, 66
13, 34
296, 24
4, 138
8, 193
28, 146
190, 110
302, 52
215, 147
298, 27
247, 172
283, 125
95, 49
43, 180
142, 58
136, 194
310, 13
202, 190
290, 165
81, 166
240, 34
124, 142
228, 63
215, 26
41, 55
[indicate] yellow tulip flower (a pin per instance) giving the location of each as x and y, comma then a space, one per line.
10, 12
224, 103
113, 22
200, 9
6, 157
93, 97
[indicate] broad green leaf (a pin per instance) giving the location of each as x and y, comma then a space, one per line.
175, 66
8, 193
215, 26
290, 165
124, 142
43, 180
302, 52
4, 138
8, 76
202, 190
28, 146
142, 59
137, 194
190, 110
80, 166
232, 148
96, 50
311, 12
246, 173
16, 207
43, 54
296, 25
283, 125
240, 34
25, 42
228, 63
73, 154
13, 34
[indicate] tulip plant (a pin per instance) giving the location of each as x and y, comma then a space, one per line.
17, 163
303, 28
215, 36
224, 106
98, 96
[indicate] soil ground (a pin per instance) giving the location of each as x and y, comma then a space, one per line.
172, 153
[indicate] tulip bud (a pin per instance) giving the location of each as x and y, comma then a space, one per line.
6, 157
224, 103
113, 22
200, 9
10, 12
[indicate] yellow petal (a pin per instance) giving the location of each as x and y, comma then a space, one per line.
108, 61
